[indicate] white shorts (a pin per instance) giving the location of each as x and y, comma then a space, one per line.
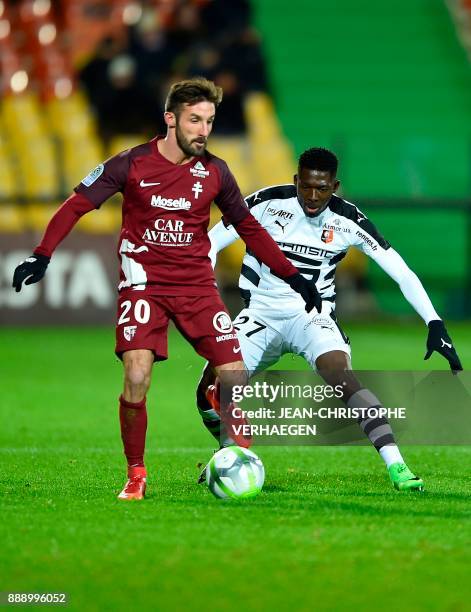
265, 334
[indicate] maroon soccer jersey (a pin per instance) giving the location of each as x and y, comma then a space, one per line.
163, 245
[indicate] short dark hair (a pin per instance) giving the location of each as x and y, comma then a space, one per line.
318, 158
192, 91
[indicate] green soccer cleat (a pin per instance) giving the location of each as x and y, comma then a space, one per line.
403, 479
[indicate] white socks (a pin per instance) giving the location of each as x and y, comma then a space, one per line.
391, 454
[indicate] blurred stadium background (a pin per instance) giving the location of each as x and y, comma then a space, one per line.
387, 86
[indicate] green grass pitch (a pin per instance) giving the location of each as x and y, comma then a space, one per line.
327, 533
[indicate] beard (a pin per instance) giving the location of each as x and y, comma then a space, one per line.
188, 147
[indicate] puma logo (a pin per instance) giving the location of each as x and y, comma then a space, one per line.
282, 226
445, 344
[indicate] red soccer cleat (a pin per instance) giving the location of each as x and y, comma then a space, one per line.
212, 397
135, 488
232, 424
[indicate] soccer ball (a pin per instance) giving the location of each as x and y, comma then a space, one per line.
235, 473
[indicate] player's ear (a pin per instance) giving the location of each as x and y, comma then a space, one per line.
295, 179
170, 119
336, 185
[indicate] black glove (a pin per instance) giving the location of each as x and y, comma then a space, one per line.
307, 289
439, 340
30, 270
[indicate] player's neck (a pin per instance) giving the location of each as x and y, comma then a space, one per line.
168, 148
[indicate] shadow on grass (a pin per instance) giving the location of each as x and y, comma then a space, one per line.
273, 488
344, 497
306, 493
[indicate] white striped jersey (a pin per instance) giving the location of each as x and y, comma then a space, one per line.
315, 245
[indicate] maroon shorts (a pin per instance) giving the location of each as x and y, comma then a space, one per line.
203, 320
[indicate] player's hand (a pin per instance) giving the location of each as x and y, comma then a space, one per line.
30, 271
439, 340
308, 291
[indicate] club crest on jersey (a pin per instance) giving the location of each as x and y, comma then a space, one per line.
199, 170
129, 332
169, 204
223, 324
327, 235
94, 174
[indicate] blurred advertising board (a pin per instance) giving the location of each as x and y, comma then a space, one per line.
79, 286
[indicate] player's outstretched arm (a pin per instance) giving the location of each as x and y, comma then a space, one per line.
414, 292
32, 269
220, 237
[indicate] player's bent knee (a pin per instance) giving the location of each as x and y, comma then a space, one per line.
136, 376
333, 361
137, 370
336, 369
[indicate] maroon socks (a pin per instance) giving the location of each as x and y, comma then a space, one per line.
133, 420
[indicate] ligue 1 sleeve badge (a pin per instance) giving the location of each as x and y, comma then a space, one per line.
94, 174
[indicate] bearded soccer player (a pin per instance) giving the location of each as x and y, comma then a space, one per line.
314, 228
168, 185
